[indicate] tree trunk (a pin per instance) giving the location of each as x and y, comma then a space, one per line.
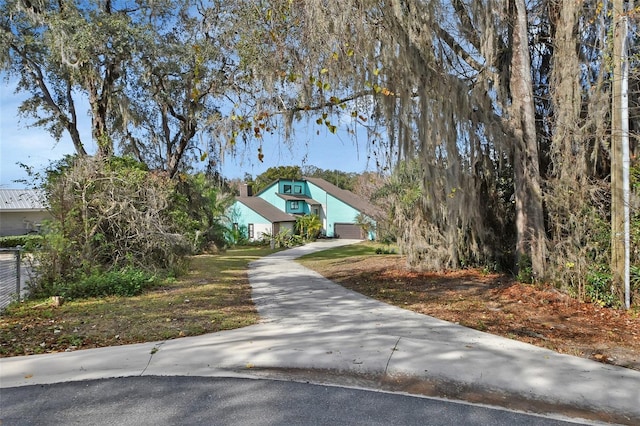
98, 122
174, 157
531, 241
70, 124
101, 93
75, 138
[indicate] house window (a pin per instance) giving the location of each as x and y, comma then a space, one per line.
286, 189
250, 226
295, 205
316, 211
297, 189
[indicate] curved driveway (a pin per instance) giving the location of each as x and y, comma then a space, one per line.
313, 329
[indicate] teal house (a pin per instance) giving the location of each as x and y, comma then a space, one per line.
276, 207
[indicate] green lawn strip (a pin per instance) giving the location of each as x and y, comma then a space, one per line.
337, 256
214, 295
365, 248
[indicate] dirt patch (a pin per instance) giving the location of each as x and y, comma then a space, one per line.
497, 304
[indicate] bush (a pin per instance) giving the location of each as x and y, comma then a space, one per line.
236, 236
197, 207
25, 241
109, 214
283, 239
126, 282
598, 287
525, 270
386, 250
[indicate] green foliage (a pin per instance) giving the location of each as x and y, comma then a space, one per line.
343, 180
108, 214
339, 178
274, 173
61, 52
308, 226
598, 287
235, 236
71, 49
580, 259
283, 239
25, 241
124, 282
385, 250
365, 223
525, 270
198, 207
343, 252
401, 191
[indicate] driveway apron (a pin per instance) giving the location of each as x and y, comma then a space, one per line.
311, 324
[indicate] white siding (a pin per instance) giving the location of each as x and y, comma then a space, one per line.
21, 223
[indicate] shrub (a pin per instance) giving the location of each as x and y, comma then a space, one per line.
308, 226
386, 250
598, 287
125, 282
525, 270
198, 206
108, 214
283, 239
24, 241
235, 236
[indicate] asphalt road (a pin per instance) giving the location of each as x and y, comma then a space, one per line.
233, 401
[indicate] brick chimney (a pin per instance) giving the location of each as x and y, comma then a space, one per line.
246, 190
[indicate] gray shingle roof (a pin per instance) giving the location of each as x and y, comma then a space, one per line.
266, 210
22, 200
299, 197
345, 196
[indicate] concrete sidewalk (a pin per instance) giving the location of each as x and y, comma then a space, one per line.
313, 329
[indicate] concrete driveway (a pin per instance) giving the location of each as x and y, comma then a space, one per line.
315, 330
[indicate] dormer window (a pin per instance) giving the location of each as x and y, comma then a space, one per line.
286, 189
297, 189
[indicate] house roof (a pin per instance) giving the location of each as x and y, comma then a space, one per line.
18, 200
345, 196
266, 210
300, 197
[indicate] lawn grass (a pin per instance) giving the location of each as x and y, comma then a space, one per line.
365, 248
214, 295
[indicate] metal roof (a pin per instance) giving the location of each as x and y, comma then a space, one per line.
266, 210
22, 200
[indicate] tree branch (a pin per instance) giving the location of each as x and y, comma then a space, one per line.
458, 49
327, 104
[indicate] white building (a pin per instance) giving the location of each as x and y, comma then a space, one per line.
21, 211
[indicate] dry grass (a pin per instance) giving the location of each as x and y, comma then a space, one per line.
213, 296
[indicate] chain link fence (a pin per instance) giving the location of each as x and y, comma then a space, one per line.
12, 276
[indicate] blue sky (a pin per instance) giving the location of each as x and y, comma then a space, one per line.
34, 147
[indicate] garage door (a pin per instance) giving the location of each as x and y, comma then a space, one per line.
348, 231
